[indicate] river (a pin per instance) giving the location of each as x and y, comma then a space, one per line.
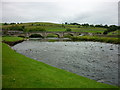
94, 60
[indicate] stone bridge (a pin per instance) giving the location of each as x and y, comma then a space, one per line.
45, 34
59, 34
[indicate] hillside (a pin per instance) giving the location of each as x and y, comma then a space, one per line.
41, 26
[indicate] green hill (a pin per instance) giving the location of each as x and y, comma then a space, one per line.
42, 26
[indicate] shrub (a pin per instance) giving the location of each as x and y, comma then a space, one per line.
96, 38
68, 30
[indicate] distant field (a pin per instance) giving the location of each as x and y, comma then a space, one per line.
117, 32
89, 29
57, 27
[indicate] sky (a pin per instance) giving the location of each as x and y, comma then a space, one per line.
60, 11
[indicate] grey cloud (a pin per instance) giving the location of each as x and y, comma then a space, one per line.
94, 13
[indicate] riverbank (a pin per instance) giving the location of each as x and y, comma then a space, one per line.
11, 41
22, 72
14, 40
18, 70
112, 40
94, 60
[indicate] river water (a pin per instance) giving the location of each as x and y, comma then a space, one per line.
94, 60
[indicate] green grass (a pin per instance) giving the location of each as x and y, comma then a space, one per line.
11, 38
58, 27
117, 32
55, 29
97, 39
22, 72
52, 35
89, 29
0, 63
52, 40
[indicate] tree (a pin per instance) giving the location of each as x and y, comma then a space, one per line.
23, 27
66, 23
118, 27
97, 26
63, 26
106, 26
105, 32
16, 27
79, 26
74, 24
91, 25
12, 23
110, 29
86, 25
68, 30
5, 24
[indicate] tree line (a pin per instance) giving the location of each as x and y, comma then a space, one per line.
110, 28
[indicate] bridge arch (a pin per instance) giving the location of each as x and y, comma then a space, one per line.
23, 36
45, 34
67, 35
52, 35
36, 36
81, 34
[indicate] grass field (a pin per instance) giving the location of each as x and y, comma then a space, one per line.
57, 27
22, 72
117, 32
89, 29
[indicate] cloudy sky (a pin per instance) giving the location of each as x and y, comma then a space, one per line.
60, 11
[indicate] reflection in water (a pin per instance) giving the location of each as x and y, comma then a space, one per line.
52, 38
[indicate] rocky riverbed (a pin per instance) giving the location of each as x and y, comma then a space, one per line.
94, 60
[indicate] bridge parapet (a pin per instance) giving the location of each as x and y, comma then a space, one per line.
45, 34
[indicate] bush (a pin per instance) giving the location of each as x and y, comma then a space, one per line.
110, 29
52, 35
96, 38
68, 30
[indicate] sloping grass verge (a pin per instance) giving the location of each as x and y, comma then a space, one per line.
22, 72
11, 38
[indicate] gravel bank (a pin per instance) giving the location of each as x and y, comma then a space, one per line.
95, 60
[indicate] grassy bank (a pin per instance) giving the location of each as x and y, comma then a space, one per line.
96, 39
11, 38
22, 72
117, 32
